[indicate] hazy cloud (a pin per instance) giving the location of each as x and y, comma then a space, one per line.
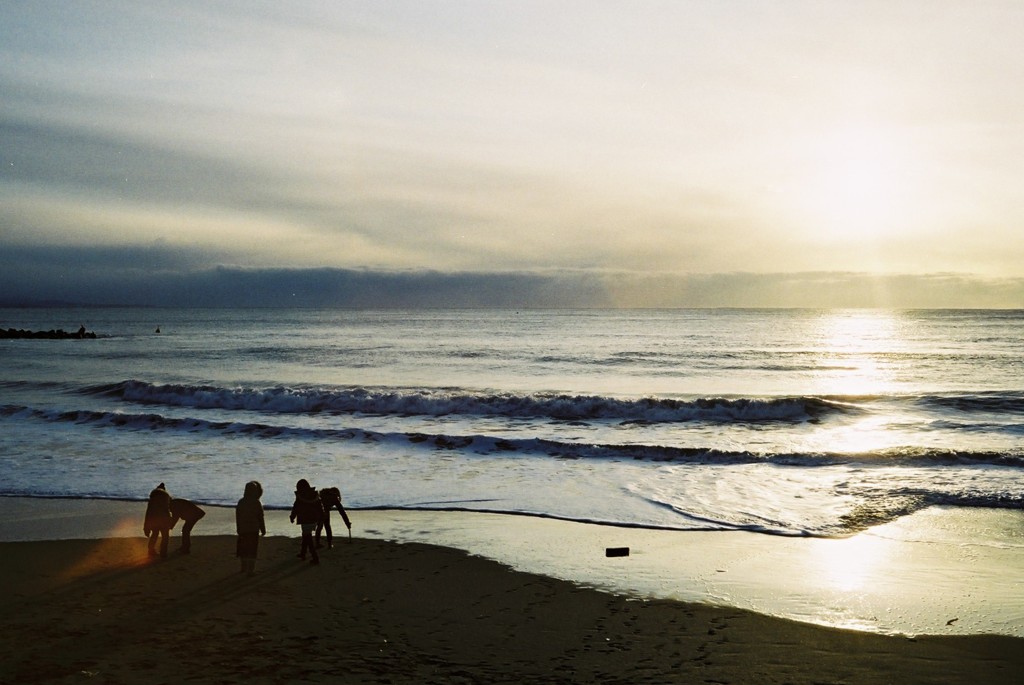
670, 152
161, 275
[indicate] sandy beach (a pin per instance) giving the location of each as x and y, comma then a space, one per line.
374, 611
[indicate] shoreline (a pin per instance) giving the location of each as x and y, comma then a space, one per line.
927, 574
380, 612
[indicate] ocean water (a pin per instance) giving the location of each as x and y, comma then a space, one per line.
785, 422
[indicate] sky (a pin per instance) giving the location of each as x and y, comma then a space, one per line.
465, 153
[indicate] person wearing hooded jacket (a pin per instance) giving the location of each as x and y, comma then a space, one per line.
308, 511
249, 525
158, 520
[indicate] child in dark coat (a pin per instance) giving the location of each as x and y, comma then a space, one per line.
308, 511
250, 525
158, 519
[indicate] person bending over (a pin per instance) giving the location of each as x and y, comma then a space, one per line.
189, 512
331, 499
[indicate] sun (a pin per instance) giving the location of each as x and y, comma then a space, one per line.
860, 183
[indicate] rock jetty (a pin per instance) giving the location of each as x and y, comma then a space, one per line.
58, 334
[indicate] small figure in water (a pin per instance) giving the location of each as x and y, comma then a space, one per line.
250, 525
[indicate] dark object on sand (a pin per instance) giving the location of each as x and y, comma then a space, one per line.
616, 552
59, 334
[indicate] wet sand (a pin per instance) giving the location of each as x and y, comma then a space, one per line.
940, 571
374, 611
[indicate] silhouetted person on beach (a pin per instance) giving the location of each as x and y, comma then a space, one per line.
309, 512
330, 498
250, 525
158, 519
190, 513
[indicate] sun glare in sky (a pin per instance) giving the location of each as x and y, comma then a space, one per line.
680, 139
861, 185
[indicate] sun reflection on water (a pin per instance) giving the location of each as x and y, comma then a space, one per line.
860, 437
850, 564
859, 352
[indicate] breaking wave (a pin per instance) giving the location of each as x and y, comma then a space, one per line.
490, 445
442, 402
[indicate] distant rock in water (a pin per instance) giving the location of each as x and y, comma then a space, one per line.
59, 334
